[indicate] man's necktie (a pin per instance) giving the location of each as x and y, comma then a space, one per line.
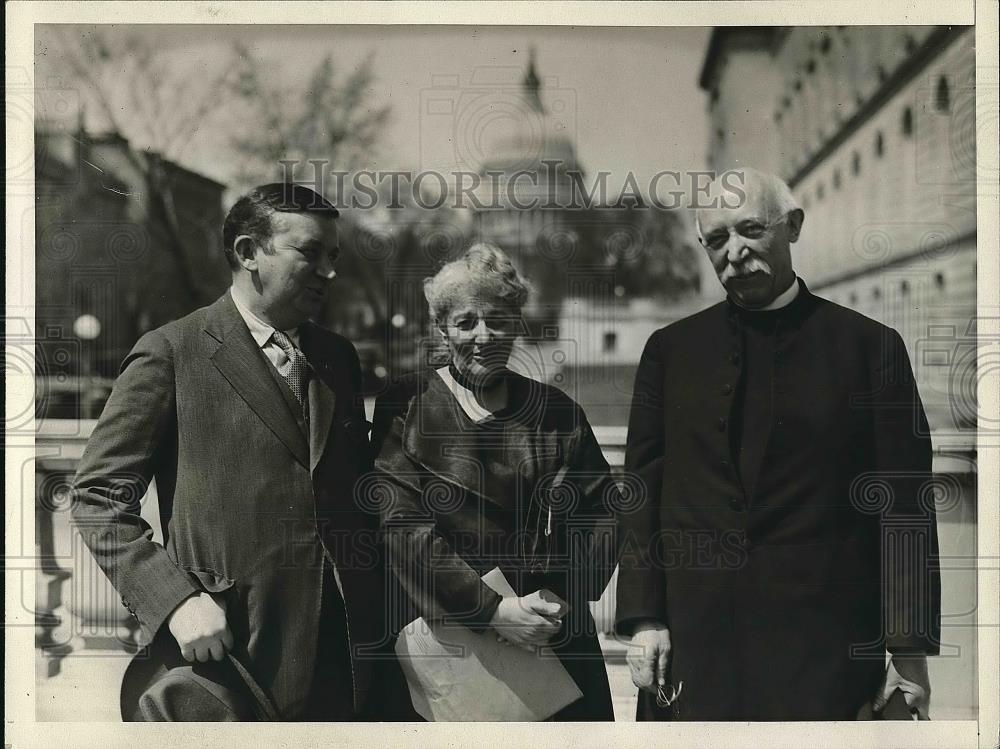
297, 372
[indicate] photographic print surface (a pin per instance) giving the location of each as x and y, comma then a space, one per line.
589, 156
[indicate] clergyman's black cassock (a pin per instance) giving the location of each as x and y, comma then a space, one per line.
781, 600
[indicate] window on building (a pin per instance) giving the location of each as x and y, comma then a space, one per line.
798, 85
610, 341
836, 179
942, 97
856, 163
876, 293
939, 280
811, 67
904, 288
908, 121
720, 134
824, 45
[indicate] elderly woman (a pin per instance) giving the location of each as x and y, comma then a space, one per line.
488, 469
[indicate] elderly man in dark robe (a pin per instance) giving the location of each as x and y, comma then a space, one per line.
784, 564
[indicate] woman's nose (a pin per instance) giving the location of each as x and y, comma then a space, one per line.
482, 332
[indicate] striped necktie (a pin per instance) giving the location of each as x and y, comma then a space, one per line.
297, 372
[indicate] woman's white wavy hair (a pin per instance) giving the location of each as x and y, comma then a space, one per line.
483, 272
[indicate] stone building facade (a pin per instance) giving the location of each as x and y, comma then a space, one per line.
102, 249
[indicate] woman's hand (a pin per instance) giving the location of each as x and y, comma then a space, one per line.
529, 621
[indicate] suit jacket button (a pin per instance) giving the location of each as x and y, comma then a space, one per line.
736, 505
722, 424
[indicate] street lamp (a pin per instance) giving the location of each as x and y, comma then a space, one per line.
87, 328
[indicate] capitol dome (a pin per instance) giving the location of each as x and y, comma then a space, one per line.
522, 133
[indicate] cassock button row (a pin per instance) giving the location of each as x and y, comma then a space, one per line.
722, 424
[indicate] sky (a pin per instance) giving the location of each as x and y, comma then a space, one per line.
627, 96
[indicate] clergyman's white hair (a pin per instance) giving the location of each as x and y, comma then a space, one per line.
750, 179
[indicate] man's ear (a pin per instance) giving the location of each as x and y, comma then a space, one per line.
795, 219
245, 250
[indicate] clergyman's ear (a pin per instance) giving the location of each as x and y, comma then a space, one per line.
795, 219
245, 250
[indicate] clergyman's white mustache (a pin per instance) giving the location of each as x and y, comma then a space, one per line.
752, 265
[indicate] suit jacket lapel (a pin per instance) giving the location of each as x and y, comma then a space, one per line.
322, 401
322, 396
241, 362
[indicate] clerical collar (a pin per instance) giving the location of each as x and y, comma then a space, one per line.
781, 301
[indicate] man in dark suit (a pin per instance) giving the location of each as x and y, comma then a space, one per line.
249, 417
788, 536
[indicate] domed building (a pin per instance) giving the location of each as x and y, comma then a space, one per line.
605, 274
530, 135
527, 165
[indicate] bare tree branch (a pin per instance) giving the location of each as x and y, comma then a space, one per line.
329, 119
107, 67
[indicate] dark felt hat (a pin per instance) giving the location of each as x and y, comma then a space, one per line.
159, 685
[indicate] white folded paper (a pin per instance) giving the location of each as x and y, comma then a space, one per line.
455, 674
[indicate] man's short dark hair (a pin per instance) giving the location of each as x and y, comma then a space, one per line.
251, 214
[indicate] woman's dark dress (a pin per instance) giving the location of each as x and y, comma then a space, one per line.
470, 496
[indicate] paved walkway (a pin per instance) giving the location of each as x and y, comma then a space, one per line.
86, 688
